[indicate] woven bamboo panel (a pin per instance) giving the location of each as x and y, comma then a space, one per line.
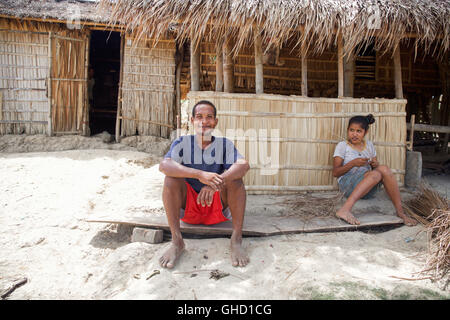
23, 73
148, 88
25, 64
289, 141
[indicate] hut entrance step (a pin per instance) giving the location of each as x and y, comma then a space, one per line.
258, 226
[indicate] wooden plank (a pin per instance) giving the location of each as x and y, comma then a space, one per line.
259, 72
398, 73
260, 225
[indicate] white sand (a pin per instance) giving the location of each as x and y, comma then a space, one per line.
45, 197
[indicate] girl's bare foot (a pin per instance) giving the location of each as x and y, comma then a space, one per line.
347, 216
169, 258
407, 220
238, 256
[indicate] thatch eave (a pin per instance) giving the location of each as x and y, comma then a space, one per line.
315, 22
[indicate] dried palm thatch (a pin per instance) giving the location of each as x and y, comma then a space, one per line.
438, 261
314, 23
422, 206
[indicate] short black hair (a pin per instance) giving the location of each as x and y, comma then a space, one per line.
364, 121
209, 103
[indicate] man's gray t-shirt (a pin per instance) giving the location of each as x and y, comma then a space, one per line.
346, 152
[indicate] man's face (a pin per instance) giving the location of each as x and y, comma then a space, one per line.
204, 121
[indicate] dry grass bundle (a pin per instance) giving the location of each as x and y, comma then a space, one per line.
307, 206
425, 202
438, 261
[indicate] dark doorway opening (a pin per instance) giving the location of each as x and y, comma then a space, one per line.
104, 68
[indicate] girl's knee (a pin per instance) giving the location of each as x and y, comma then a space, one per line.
384, 170
375, 175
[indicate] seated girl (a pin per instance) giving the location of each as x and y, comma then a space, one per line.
359, 173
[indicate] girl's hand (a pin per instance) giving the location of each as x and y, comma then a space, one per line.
374, 163
359, 162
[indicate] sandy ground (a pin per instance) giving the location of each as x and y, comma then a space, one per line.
46, 196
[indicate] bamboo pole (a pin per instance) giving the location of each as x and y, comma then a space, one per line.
228, 66
411, 133
340, 67
259, 69
219, 66
195, 64
49, 85
119, 96
398, 73
304, 85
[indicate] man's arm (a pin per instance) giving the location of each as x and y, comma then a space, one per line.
236, 171
174, 169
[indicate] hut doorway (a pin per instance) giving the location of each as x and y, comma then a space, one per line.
103, 80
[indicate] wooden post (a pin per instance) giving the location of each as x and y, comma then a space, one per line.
398, 73
195, 64
178, 84
340, 67
119, 96
219, 66
228, 66
349, 74
304, 84
85, 116
411, 132
259, 69
49, 85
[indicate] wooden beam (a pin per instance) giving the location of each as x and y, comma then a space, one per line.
228, 66
259, 69
195, 65
340, 66
120, 94
304, 84
398, 73
179, 67
428, 128
349, 75
219, 67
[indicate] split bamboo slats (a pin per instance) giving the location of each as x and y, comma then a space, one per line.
68, 83
148, 88
289, 141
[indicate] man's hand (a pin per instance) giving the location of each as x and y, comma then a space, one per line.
211, 179
205, 196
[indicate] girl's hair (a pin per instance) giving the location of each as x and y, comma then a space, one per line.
364, 121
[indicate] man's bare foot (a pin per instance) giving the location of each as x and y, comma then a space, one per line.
239, 257
169, 258
347, 216
407, 220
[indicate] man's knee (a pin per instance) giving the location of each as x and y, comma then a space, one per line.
237, 184
174, 183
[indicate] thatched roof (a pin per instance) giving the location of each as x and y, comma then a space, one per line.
62, 10
314, 23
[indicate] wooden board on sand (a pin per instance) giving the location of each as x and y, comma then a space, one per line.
259, 225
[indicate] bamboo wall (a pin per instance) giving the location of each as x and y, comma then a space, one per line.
281, 76
309, 129
27, 67
148, 88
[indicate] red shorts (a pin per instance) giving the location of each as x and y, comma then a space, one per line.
196, 214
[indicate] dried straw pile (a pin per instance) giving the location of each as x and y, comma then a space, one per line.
433, 211
307, 206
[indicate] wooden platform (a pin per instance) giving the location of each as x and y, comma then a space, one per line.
259, 226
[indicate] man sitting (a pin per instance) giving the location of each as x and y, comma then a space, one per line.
203, 184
